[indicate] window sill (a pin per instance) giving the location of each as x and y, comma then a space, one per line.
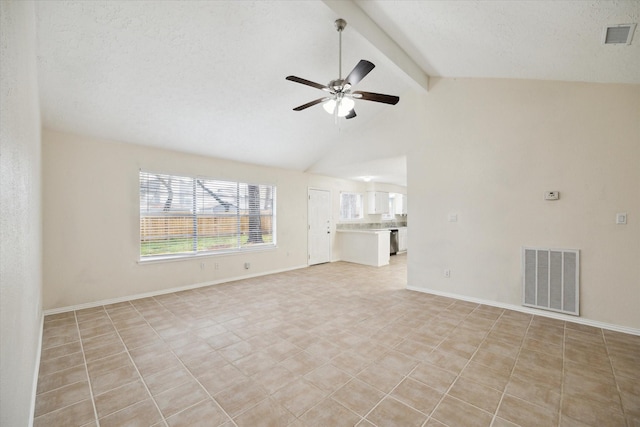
172, 258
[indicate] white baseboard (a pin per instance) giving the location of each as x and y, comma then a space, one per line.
528, 310
36, 373
164, 291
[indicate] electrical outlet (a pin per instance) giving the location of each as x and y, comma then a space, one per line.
447, 273
216, 266
202, 266
247, 265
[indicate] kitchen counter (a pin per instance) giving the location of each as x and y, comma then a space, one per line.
365, 230
365, 246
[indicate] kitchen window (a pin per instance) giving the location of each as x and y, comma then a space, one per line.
186, 215
351, 206
390, 216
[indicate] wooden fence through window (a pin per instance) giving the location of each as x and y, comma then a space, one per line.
164, 227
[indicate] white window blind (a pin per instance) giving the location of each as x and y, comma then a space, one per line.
183, 215
351, 206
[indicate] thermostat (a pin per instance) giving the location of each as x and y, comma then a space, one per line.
551, 195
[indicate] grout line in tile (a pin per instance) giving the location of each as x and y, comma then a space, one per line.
446, 393
137, 371
615, 378
86, 371
182, 410
183, 366
513, 368
405, 376
564, 362
65, 407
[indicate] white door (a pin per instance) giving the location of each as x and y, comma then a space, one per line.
319, 214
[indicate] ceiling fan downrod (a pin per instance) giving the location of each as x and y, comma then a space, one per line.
340, 25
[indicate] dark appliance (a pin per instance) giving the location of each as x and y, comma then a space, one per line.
393, 243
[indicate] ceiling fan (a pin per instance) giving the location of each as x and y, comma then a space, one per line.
340, 98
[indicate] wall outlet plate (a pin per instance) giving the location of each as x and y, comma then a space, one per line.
551, 195
621, 218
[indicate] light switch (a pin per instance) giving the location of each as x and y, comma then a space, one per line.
453, 217
621, 218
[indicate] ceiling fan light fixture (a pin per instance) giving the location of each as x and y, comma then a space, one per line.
345, 105
329, 106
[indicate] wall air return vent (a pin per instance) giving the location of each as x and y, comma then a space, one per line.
618, 34
551, 279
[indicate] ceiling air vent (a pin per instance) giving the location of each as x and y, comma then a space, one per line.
619, 34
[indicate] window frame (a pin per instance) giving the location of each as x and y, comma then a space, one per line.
197, 212
361, 213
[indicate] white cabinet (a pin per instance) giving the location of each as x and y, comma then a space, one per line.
402, 239
378, 202
400, 204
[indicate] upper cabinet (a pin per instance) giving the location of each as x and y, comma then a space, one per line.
400, 204
377, 202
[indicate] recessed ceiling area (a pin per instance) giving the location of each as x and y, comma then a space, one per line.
209, 77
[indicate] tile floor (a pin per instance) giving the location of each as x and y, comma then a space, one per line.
332, 345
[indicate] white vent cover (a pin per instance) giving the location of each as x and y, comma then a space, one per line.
551, 279
618, 34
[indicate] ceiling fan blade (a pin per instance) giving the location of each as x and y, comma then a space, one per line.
363, 68
351, 114
312, 103
377, 97
308, 83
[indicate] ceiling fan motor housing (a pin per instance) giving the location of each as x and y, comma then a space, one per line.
337, 85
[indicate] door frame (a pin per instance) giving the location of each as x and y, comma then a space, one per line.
309, 189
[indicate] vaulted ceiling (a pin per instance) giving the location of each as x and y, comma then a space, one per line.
208, 77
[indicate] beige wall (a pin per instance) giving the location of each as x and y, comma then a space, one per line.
20, 214
91, 221
487, 152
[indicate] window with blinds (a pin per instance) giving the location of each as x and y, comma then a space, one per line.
351, 206
184, 215
391, 215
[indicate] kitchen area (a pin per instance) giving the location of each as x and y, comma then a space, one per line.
373, 243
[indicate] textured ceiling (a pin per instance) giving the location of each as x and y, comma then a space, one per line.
207, 77
542, 39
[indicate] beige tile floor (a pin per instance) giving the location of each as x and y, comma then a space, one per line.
331, 345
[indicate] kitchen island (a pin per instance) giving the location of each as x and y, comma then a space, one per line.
368, 246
